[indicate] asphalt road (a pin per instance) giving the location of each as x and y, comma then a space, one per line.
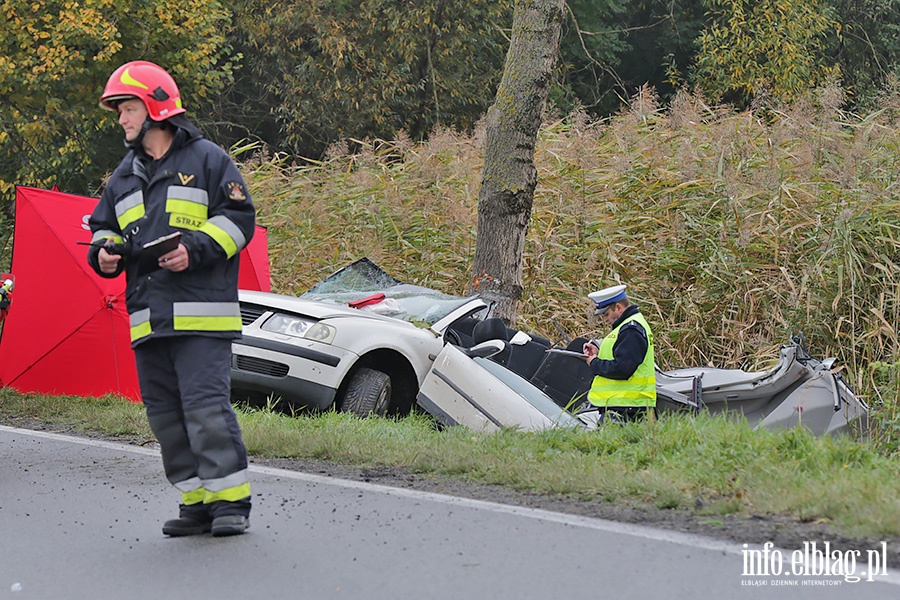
81, 519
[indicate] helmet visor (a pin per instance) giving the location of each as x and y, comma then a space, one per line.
112, 102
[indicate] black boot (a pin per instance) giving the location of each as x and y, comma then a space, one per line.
229, 518
230, 525
192, 520
181, 526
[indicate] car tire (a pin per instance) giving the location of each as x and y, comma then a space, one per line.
368, 393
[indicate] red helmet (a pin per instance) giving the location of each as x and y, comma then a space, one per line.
147, 82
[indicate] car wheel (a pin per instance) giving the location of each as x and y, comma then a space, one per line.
368, 393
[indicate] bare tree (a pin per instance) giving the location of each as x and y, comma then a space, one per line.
510, 177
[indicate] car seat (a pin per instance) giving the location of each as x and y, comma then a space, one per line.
564, 377
461, 332
526, 357
493, 328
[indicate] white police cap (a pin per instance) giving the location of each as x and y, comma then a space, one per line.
605, 298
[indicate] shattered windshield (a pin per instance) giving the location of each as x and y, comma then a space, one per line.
366, 286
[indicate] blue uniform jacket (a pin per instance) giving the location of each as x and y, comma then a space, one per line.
195, 189
628, 351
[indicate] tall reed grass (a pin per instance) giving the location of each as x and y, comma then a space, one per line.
732, 229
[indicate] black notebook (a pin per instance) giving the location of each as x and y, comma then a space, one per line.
162, 245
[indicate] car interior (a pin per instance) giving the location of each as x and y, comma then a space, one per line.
561, 376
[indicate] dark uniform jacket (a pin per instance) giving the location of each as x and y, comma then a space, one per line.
628, 352
195, 189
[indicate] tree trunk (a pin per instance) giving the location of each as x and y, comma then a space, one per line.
510, 177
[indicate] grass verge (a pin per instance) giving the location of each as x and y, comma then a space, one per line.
702, 464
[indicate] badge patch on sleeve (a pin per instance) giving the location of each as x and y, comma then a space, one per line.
235, 191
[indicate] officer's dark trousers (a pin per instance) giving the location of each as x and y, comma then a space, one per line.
624, 414
186, 387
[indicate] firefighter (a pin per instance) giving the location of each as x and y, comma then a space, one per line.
624, 384
183, 303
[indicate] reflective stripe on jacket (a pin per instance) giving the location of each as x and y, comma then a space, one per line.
637, 390
196, 189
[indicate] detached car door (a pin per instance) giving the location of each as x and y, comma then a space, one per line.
470, 390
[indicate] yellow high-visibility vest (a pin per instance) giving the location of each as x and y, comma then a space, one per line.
636, 391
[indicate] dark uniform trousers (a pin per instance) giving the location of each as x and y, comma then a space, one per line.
186, 389
624, 414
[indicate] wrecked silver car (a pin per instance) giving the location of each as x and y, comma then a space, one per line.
798, 390
359, 341
511, 379
364, 342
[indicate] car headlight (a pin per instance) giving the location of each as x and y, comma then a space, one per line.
299, 327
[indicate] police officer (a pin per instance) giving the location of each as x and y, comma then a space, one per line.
624, 384
183, 302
